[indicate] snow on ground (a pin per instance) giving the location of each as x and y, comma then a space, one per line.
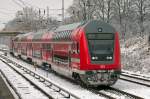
136, 55
71, 87
133, 88
23, 87
137, 74
135, 58
123, 85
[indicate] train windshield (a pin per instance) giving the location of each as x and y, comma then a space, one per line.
101, 47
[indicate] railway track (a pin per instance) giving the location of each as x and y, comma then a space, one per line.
20, 86
42, 79
108, 92
113, 93
137, 75
50, 89
132, 75
6, 89
135, 79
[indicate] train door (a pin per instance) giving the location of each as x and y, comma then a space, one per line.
19, 48
30, 49
52, 51
46, 51
69, 56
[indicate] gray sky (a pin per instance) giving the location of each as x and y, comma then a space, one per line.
8, 8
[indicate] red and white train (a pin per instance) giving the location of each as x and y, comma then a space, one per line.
86, 51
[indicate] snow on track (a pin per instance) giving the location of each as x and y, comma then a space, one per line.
139, 75
37, 81
22, 86
129, 87
133, 88
71, 87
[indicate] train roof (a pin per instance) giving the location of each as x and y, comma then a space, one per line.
22, 37
64, 32
68, 27
92, 26
97, 26
37, 36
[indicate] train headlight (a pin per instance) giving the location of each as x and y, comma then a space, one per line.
89, 79
94, 58
109, 57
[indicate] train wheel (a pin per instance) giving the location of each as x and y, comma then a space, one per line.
12, 54
46, 66
112, 82
50, 69
77, 78
29, 60
19, 56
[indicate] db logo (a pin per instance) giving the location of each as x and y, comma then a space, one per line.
102, 66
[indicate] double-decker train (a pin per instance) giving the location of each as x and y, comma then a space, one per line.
88, 52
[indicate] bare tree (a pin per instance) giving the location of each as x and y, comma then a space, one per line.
142, 11
108, 10
29, 19
99, 9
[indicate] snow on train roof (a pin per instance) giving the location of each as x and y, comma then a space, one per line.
22, 36
38, 35
60, 29
64, 32
69, 27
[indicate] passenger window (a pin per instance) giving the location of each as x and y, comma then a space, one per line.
29, 46
60, 58
47, 47
37, 54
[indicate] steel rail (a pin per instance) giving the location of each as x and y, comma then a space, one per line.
101, 94
123, 74
15, 93
36, 86
42, 79
125, 93
112, 90
134, 80
134, 74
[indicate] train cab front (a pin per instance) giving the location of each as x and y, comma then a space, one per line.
102, 64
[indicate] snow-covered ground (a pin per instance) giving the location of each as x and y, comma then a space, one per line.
23, 87
71, 87
136, 89
136, 55
133, 88
135, 58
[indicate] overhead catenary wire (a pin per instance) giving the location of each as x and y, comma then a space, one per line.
7, 10
27, 4
39, 9
17, 3
1, 12
23, 3
42, 13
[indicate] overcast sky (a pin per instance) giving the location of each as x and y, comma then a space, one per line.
8, 8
